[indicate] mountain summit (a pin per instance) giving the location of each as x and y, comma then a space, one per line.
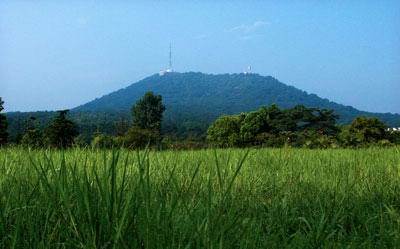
210, 96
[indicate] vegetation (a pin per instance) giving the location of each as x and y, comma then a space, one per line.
296, 127
148, 111
203, 98
108, 196
3, 125
193, 101
33, 136
365, 130
267, 198
61, 132
103, 141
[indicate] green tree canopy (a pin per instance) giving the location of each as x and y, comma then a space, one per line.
3, 125
272, 126
364, 130
33, 137
103, 141
136, 138
225, 131
148, 112
61, 132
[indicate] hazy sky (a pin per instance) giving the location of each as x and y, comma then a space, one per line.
60, 54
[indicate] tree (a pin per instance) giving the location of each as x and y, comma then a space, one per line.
3, 125
33, 137
225, 131
61, 132
364, 130
136, 138
103, 141
148, 111
313, 119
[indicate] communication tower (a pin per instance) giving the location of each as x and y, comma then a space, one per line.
248, 71
169, 69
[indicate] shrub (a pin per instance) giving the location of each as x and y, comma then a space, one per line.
187, 145
136, 138
225, 131
317, 140
103, 141
363, 131
33, 138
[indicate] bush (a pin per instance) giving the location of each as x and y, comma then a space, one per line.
136, 138
394, 137
103, 141
317, 140
187, 145
225, 131
364, 131
33, 138
82, 140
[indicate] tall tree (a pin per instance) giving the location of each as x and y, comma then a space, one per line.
33, 136
62, 131
148, 111
3, 125
364, 130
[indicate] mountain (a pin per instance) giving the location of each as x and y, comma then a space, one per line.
206, 97
193, 101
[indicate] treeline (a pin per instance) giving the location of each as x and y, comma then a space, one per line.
271, 126
298, 127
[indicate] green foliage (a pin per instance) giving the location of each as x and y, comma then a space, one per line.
148, 111
225, 131
3, 125
258, 198
61, 132
194, 101
394, 137
274, 127
364, 131
33, 138
136, 138
82, 140
205, 97
103, 141
186, 145
314, 139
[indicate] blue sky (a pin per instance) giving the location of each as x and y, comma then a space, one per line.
60, 54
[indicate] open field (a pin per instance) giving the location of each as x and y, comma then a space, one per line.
265, 198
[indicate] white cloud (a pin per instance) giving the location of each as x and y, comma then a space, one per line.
249, 27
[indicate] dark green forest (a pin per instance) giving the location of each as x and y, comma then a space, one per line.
193, 102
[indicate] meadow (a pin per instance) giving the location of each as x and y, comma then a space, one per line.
233, 198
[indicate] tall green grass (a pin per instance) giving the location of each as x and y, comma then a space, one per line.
266, 198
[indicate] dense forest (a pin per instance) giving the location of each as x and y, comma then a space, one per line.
193, 101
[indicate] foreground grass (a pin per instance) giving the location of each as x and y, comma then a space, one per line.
267, 198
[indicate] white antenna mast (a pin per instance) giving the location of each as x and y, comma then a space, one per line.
170, 56
248, 71
169, 69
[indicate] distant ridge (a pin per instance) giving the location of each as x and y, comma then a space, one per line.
210, 96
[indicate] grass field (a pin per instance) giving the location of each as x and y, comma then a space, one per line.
265, 198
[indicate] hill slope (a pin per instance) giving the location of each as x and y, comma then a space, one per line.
204, 96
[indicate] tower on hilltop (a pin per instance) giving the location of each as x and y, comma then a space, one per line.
169, 69
248, 71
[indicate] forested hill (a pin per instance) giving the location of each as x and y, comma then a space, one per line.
195, 95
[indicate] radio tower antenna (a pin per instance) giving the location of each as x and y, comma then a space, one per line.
170, 56
169, 69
